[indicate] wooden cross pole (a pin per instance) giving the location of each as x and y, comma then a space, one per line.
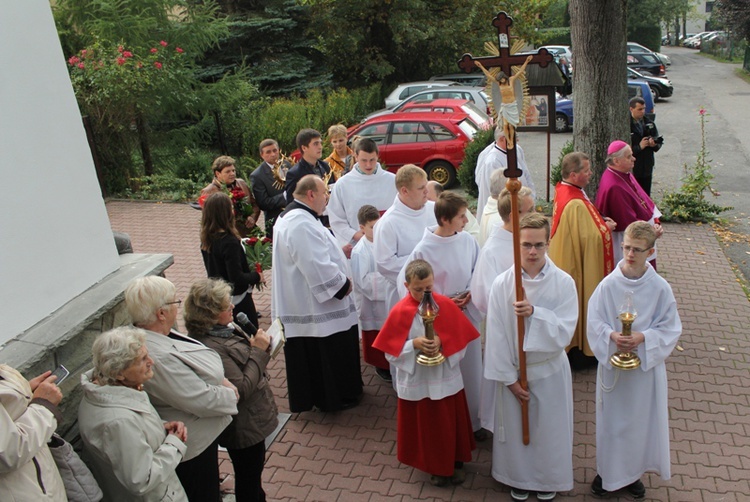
505, 61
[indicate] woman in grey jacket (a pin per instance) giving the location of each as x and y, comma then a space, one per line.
188, 384
208, 314
130, 451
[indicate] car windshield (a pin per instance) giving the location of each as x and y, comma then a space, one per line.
468, 127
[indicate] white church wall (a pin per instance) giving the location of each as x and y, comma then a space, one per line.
55, 236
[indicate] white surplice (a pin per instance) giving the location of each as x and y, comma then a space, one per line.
495, 258
546, 463
309, 268
495, 159
369, 287
632, 415
490, 218
354, 190
396, 234
453, 260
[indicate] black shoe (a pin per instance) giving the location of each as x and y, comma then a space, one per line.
596, 487
481, 435
636, 489
384, 375
347, 404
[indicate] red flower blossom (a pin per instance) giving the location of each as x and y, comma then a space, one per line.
252, 241
266, 240
163, 43
202, 200
237, 195
702, 111
73, 60
158, 65
83, 52
120, 48
154, 50
259, 269
127, 54
120, 61
81, 66
179, 50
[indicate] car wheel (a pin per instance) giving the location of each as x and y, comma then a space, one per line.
655, 92
561, 122
442, 172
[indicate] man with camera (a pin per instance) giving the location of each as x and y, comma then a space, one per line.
645, 140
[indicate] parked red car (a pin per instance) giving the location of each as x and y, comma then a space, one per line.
435, 141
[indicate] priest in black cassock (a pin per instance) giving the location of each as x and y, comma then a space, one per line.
311, 296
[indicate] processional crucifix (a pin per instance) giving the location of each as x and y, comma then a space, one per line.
505, 61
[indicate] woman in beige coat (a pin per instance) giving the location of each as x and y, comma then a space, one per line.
28, 417
130, 451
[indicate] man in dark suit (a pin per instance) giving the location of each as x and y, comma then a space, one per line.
269, 193
645, 141
310, 144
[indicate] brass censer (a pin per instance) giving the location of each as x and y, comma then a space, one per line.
628, 313
428, 311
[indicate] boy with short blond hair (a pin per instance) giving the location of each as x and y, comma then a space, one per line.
632, 414
441, 443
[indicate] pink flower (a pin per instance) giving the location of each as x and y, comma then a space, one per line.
163, 43
83, 52
120, 48
73, 60
81, 66
120, 61
154, 50
127, 54
158, 65
179, 50
702, 111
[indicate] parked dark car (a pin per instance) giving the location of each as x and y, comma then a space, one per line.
646, 62
661, 87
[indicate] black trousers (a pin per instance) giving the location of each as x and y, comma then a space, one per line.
247, 305
248, 469
200, 475
323, 372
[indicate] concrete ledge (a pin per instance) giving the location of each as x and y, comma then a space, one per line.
65, 336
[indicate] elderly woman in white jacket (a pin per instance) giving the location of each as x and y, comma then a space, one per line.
28, 417
188, 384
129, 449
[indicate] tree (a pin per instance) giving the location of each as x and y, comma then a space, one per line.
600, 106
368, 41
736, 16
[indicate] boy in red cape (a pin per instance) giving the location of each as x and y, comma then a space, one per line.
434, 427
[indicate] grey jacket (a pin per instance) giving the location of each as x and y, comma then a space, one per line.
126, 446
187, 387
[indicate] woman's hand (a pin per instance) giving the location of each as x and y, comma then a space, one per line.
250, 222
177, 429
261, 340
44, 388
227, 383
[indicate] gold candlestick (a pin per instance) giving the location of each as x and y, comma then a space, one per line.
428, 311
626, 360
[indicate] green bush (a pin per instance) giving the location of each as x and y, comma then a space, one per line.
648, 36
555, 176
469, 164
163, 187
555, 36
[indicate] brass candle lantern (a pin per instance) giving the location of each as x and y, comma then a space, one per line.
628, 313
428, 311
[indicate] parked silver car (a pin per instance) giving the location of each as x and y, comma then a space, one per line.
403, 91
474, 94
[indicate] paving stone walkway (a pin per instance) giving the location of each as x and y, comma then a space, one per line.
351, 455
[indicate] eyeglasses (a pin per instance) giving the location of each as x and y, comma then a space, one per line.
178, 302
627, 249
539, 246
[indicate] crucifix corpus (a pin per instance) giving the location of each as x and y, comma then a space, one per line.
504, 100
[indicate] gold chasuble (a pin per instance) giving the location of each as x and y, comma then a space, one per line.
581, 245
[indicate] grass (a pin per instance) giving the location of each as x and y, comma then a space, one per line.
744, 75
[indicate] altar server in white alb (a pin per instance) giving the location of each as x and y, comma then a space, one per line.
632, 417
495, 258
493, 158
550, 314
366, 183
311, 296
453, 254
402, 226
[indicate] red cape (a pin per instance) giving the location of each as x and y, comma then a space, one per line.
451, 325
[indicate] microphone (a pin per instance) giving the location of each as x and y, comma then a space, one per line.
246, 323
